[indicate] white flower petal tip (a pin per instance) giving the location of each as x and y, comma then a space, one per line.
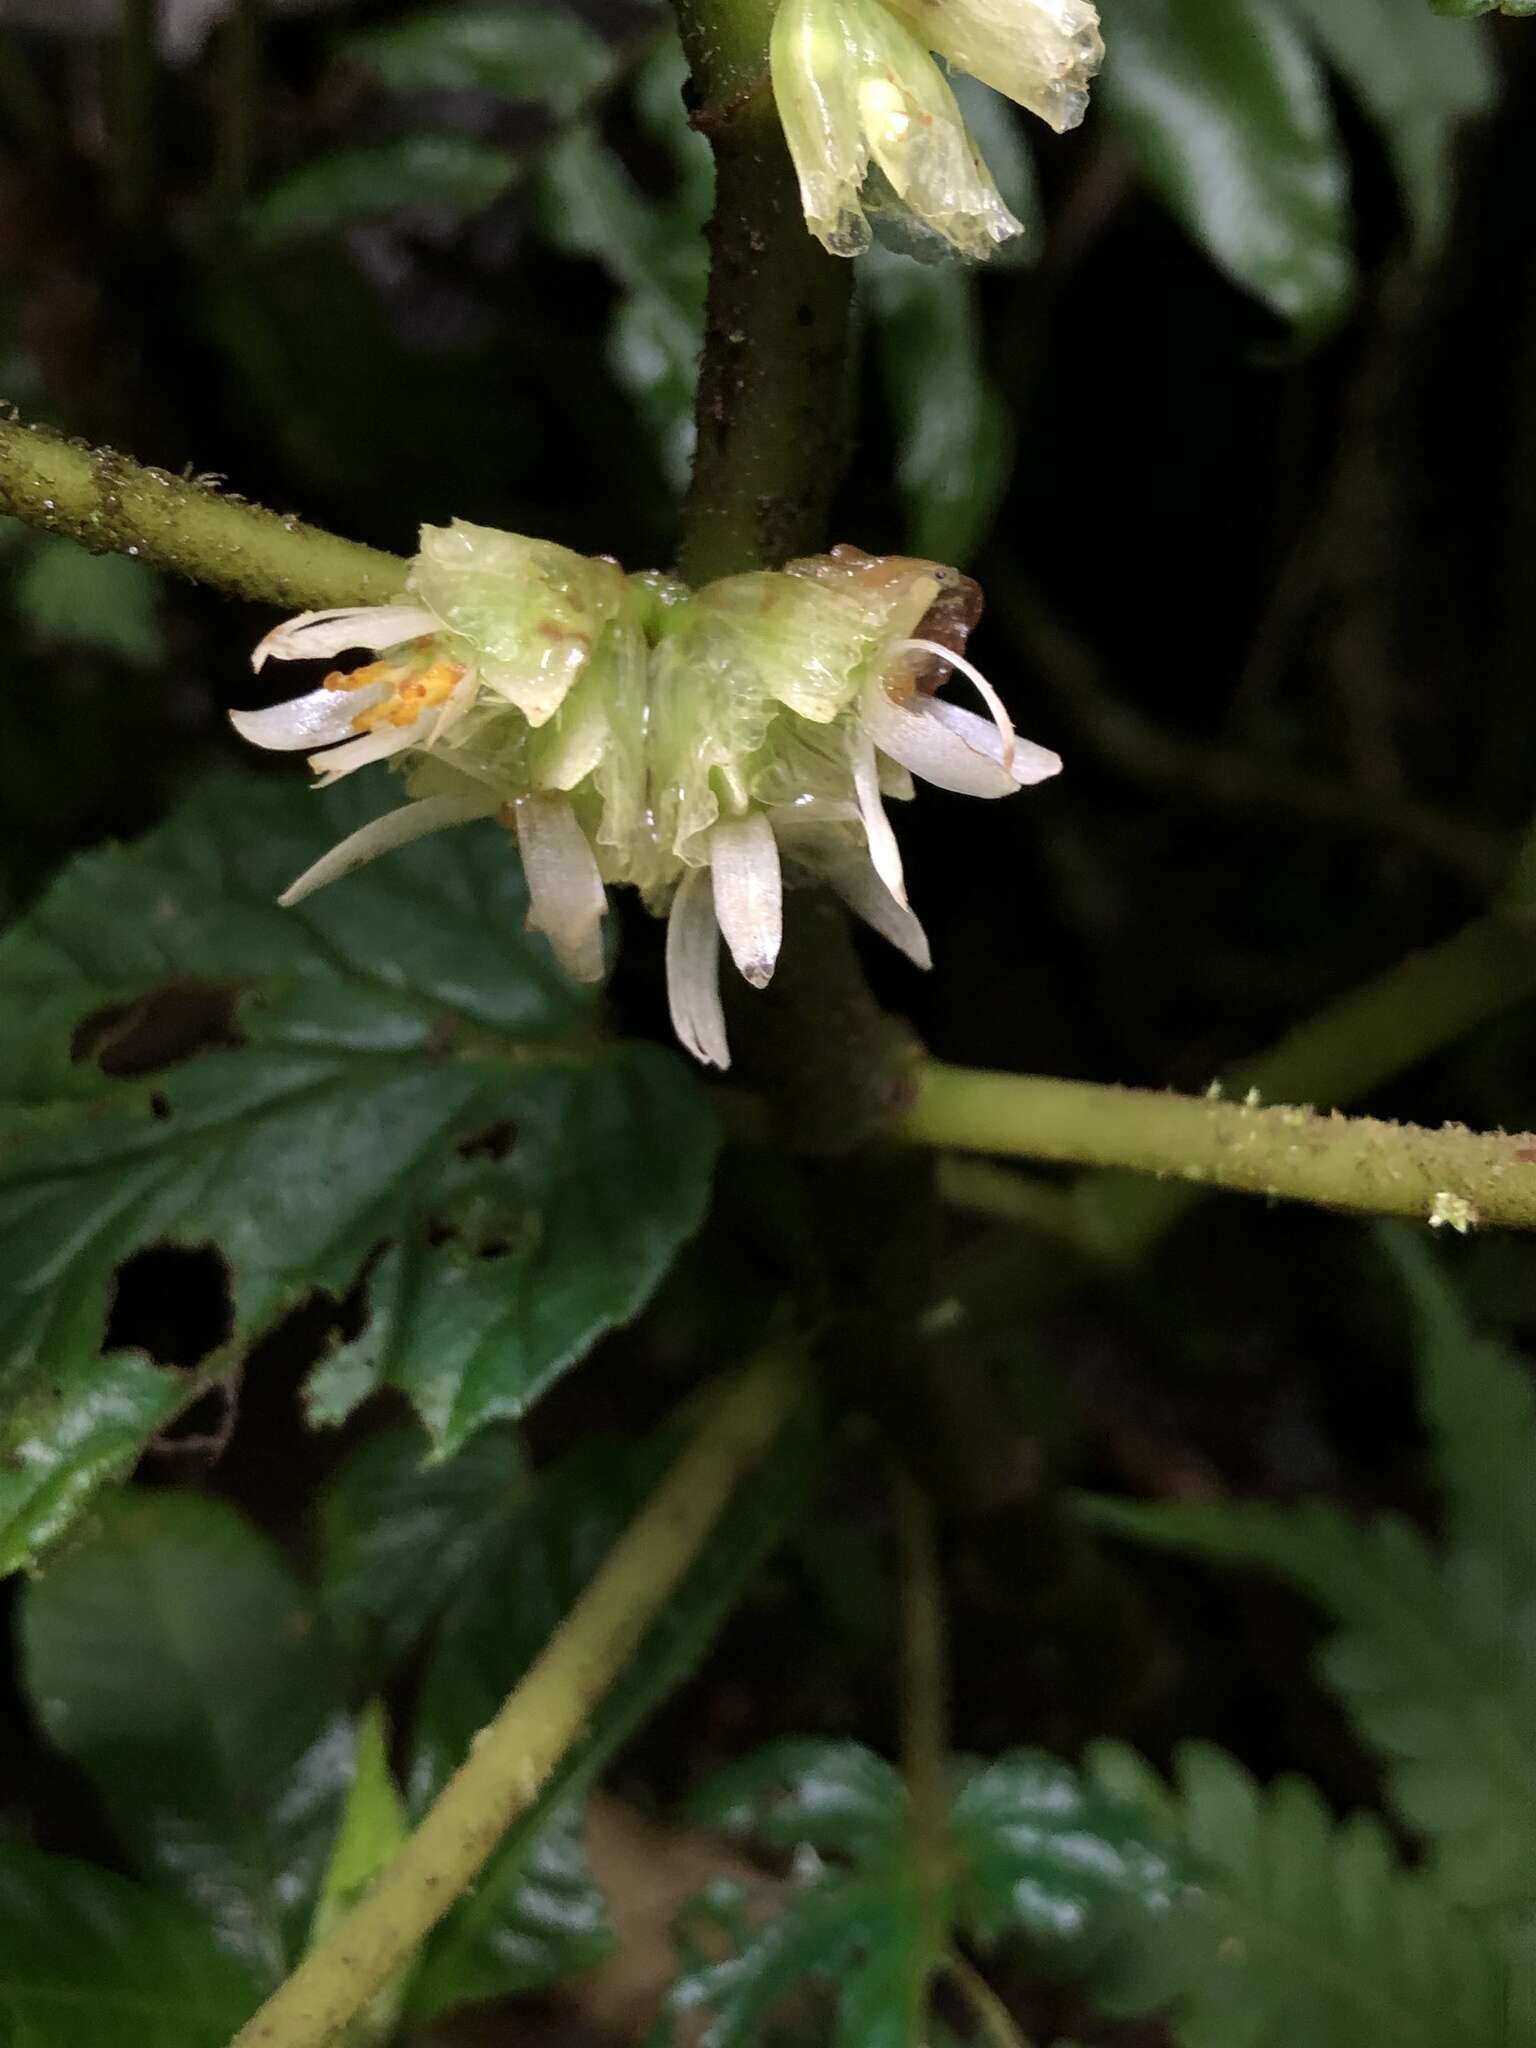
693, 972
881, 840
319, 635
1031, 763
318, 719
973, 674
565, 890
384, 835
867, 897
748, 894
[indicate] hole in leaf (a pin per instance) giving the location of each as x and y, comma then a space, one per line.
495, 1142
171, 1301
203, 1432
174, 1023
159, 1107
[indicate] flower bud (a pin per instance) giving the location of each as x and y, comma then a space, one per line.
873, 127
1043, 54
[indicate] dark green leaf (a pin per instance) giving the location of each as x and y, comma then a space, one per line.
1044, 1853
1479, 1400
449, 174
830, 1795
1419, 82
1435, 1659
522, 53
859, 1936
400, 1535
506, 1617
92, 1959
396, 1060
100, 601
174, 1658
953, 429
655, 254
1227, 111
1297, 1929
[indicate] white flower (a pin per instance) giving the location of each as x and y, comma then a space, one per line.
704, 747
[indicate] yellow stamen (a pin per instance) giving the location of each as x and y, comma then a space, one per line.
411, 697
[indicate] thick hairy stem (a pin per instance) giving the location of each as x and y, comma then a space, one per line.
511, 1759
924, 1728
772, 380
1450, 1176
114, 506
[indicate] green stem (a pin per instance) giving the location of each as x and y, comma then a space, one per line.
511, 1759
993, 2017
924, 1729
113, 505
772, 380
1450, 1176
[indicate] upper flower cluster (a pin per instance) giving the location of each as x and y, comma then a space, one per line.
696, 744
874, 128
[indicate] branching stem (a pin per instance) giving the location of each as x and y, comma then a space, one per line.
510, 1760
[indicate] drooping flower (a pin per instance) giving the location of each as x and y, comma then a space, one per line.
871, 123
703, 746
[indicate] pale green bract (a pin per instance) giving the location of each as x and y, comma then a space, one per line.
698, 745
874, 130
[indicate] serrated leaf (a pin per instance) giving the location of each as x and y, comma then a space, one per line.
1479, 1401
1227, 111
835, 1796
399, 1535
1296, 1928
175, 1659
104, 602
86, 1956
450, 174
856, 1937
1419, 81
1043, 1853
530, 53
954, 432
1436, 1661
395, 1061
505, 1618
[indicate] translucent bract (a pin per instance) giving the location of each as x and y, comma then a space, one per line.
874, 129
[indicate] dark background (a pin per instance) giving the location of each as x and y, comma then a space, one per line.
1315, 557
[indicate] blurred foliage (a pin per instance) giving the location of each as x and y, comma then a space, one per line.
1244, 442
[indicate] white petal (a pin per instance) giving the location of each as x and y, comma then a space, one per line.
565, 890
925, 744
383, 835
314, 720
369, 747
749, 894
318, 635
883, 850
1031, 764
693, 971
855, 880
988, 695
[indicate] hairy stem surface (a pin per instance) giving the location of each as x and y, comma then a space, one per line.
112, 505
512, 1757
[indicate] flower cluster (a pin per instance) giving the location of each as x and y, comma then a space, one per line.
874, 129
699, 745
